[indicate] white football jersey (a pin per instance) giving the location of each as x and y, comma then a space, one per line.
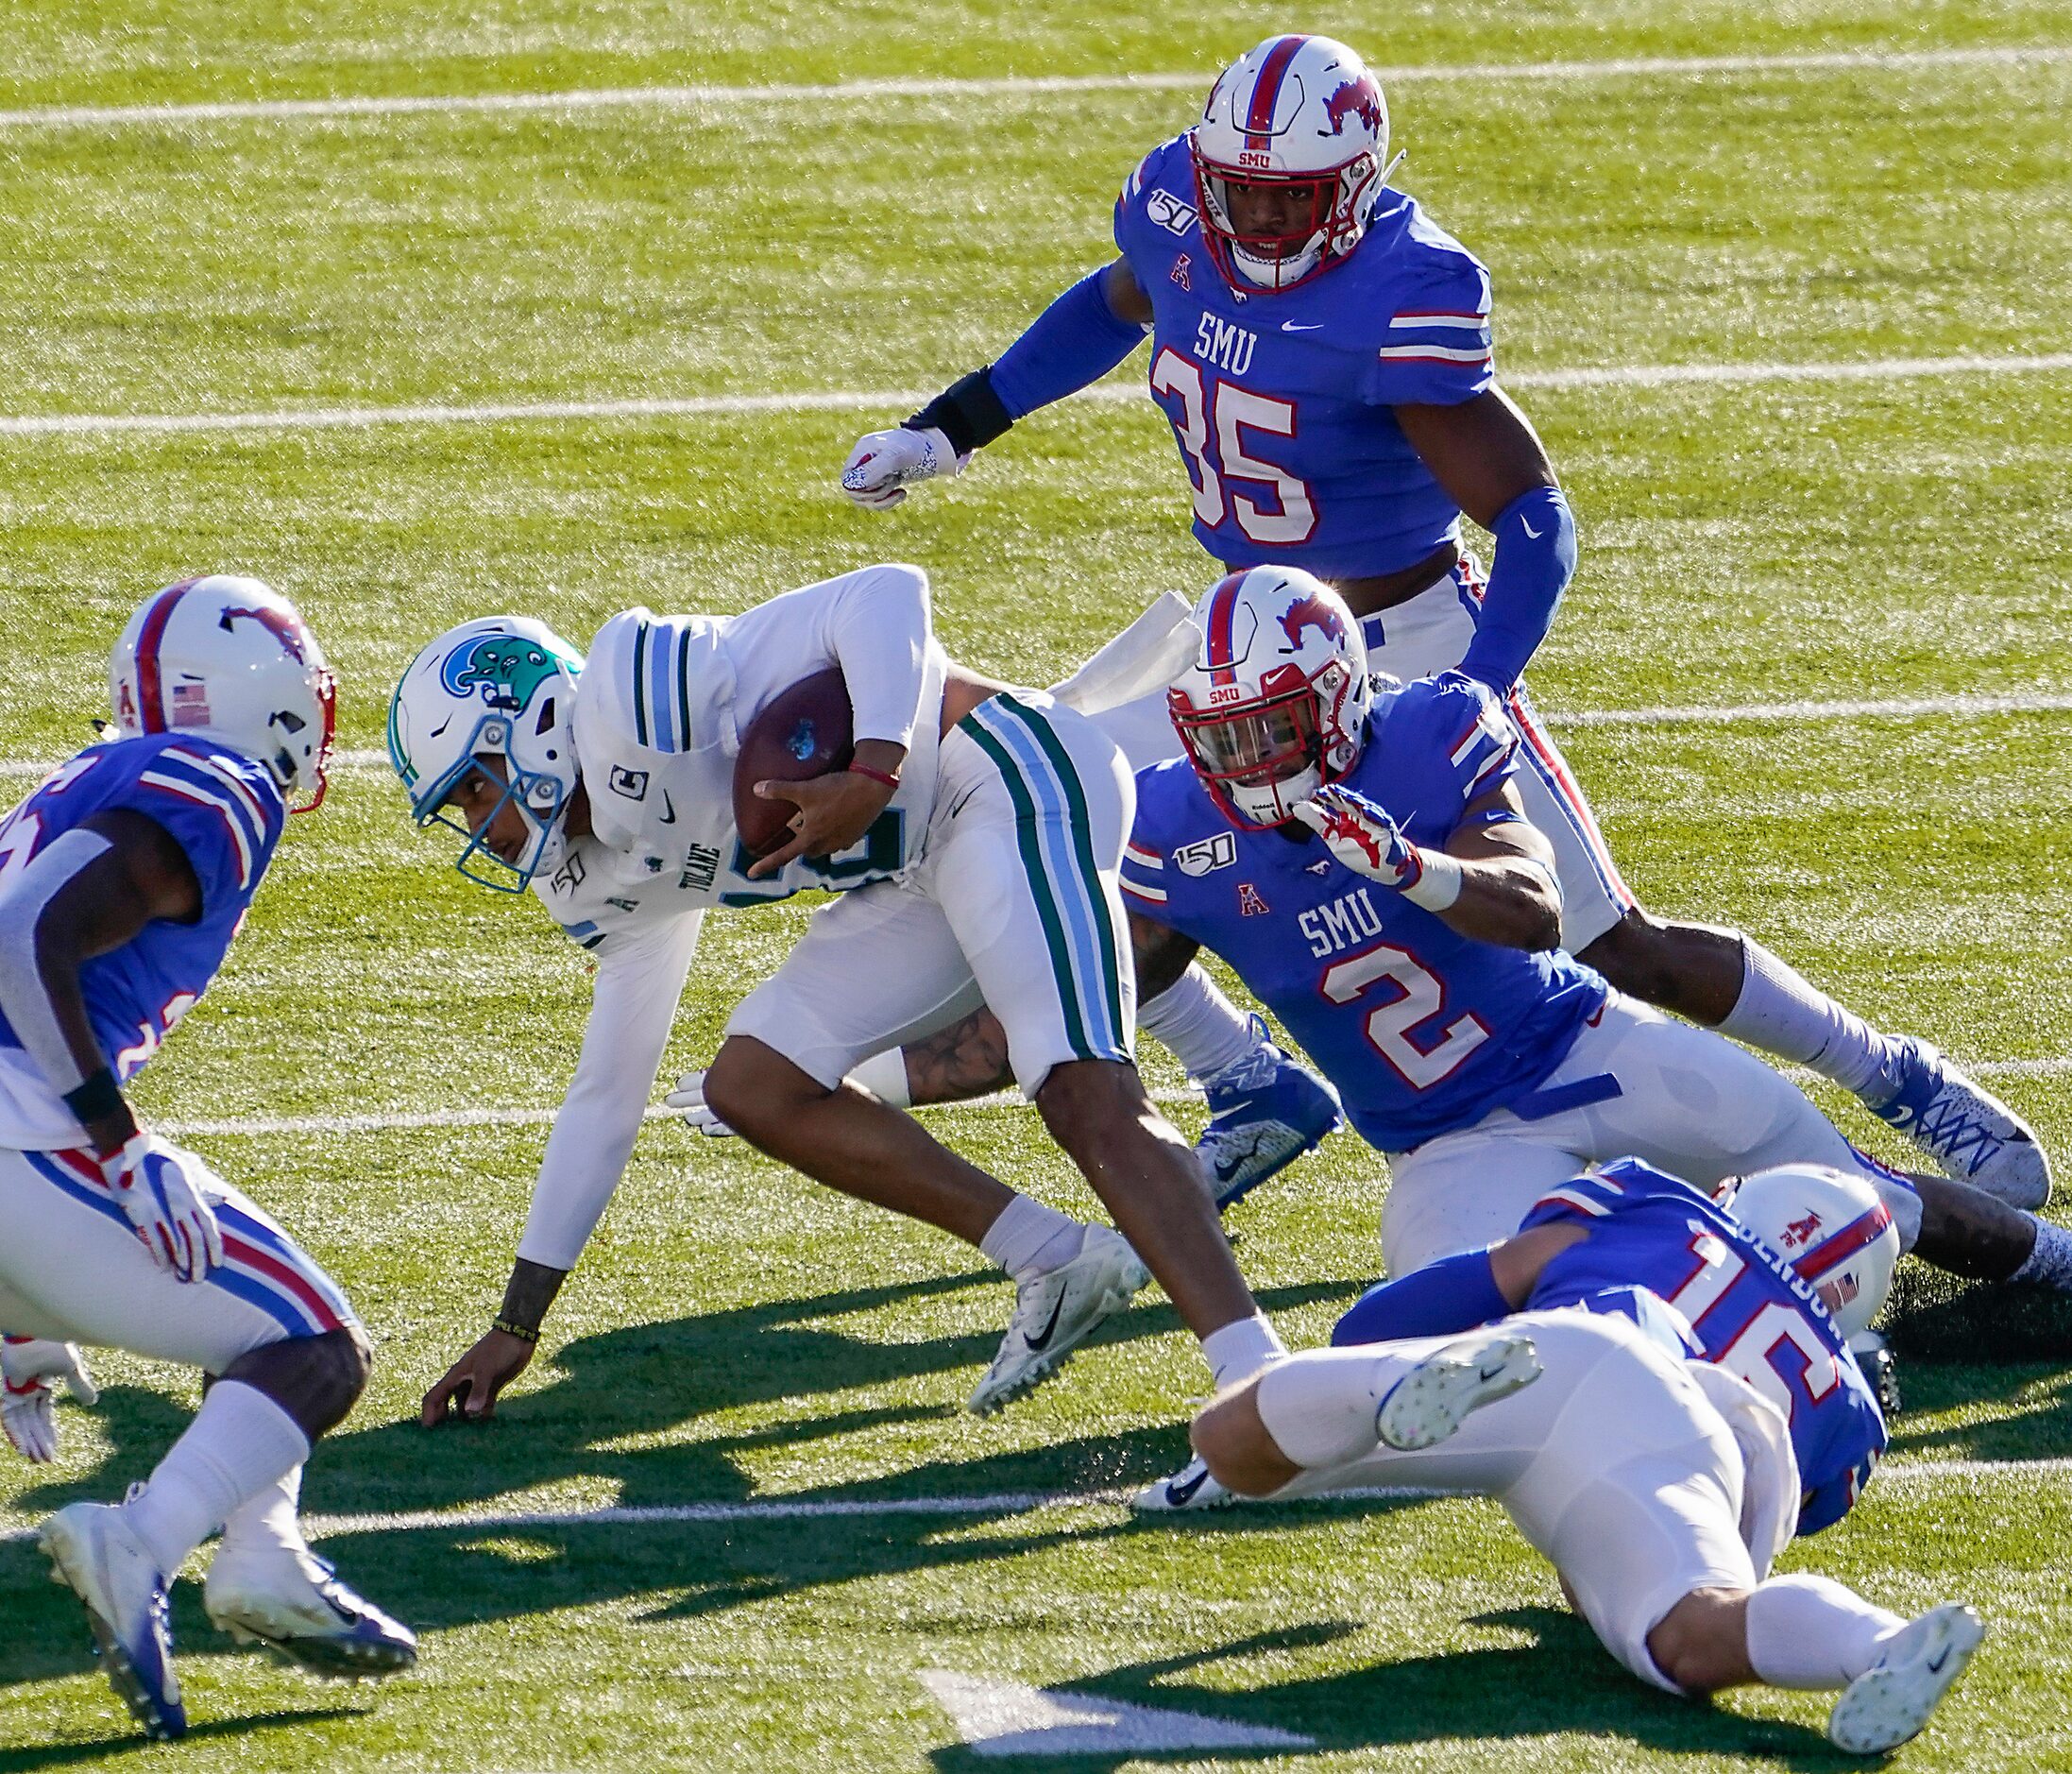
660, 708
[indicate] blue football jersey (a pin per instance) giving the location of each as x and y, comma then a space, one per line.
1280, 400
1747, 1311
1423, 1031
224, 812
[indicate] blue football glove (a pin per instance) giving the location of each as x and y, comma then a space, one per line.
1360, 834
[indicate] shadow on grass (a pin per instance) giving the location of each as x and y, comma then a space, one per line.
1564, 1682
212, 1731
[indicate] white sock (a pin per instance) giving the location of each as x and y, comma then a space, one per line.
1320, 1405
884, 1075
1782, 1012
1238, 1350
269, 1518
239, 1443
2049, 1265
1031, 1239
1205, 1030
1810, 1632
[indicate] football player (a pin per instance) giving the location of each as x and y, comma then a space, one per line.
1322, 349
1659, 1451
123, 880
973, 843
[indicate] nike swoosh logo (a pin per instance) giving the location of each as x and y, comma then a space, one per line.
1935, 1667
1179, 1493
1302, 325
1050, 1329
669, 810
1529, 530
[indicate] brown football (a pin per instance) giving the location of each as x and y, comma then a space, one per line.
804, 733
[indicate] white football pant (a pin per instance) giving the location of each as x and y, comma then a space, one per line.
1615, 1465
71, 1269
1014, 903
1689, 1101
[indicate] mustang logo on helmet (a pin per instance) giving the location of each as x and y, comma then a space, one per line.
507, 669
1312, 612
1359, 98
278, 623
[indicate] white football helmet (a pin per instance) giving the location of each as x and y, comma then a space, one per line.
1834, 1231
1276, 703
500, 687
1302, 120
232, 659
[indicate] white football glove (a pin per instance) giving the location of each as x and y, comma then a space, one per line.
688, 1101
1360, 834
27, 1413
884, 463
168, 1195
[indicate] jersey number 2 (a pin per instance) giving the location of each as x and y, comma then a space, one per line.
1230, 408
1420, 997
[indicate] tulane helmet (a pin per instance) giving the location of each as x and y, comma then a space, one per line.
495, 695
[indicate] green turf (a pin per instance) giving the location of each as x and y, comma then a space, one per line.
734, 1333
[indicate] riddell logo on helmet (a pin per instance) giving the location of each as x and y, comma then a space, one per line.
1358, 98
1312, 612
1801, 1232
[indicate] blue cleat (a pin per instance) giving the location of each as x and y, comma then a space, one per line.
291, 1603
1975, 1137
1265, 1111
94, 1554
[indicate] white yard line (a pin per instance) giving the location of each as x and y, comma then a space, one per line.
893, 401
476, 1520
1690, 714
406, 1120
691, 97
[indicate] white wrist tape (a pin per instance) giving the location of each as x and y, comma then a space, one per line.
1439, 885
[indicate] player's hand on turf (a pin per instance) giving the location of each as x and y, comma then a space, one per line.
168, 1195
834, 811
27, 1413
1360, 834
469, 1389
688, 1101
884, 463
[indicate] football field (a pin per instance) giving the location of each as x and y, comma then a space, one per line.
421, 310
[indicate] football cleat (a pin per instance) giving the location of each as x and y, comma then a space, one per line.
94, 1553
1965, 1129
1190, 1489
1874, 1356
1265, 1112
1432, 1401
1056, 1313
289, 1601
1893, 1700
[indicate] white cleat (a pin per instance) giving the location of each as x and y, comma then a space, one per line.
1967, 1130
94, 1554
1893, 1700
1435, 1398
1190, 1489
287, 1600
1055, 1313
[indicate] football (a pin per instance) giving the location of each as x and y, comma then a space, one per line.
804, 733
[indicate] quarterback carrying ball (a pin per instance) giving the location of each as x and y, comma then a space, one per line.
976, 841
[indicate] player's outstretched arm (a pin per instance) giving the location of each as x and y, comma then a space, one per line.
1073, 343
1494, 880
470, 1387
87, 894
1486, 456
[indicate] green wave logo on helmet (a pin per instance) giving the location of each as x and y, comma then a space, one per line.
507, 669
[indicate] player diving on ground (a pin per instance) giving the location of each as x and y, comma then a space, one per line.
1661, 1452
974, 843
1323, 350
123, 880
1359, 852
